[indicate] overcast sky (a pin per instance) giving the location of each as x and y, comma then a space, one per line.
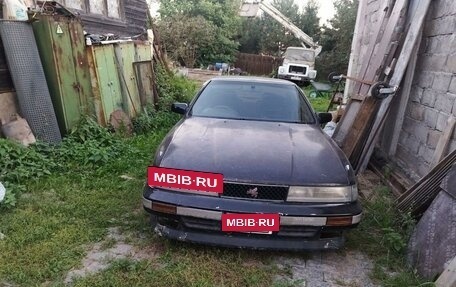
326, 8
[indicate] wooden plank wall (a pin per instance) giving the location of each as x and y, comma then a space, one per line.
134, 22
415, 126
257, 64
418, 116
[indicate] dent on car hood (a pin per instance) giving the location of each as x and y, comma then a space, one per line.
258, 152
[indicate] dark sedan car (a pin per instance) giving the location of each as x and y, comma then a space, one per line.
266, 140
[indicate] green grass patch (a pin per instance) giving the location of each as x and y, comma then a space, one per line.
319, 104
61, 215
383, 235
72, 194
189, 265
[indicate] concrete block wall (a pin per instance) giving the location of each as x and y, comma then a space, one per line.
433, 93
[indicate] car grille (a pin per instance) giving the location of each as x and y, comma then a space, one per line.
199, 223
251, 191
297, 70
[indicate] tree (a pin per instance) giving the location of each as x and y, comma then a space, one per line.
221, 14
309, 22
275, 37
184, 36
336, 40
251, 33
266, 35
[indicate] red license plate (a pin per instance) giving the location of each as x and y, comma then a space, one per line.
254, 223
184, 179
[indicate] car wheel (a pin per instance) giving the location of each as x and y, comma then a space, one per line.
313, 94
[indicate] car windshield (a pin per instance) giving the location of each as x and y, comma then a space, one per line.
253, 101
299, 55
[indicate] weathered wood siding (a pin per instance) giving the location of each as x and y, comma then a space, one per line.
432, 99
133, 22
257, 64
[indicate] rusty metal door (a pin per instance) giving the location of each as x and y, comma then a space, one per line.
61, 45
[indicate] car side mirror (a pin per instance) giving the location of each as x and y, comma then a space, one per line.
180, 108
324, 118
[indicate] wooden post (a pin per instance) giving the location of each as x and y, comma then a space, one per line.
355, 47
448, 277
401, 66
373, 60
392, 139
442, 145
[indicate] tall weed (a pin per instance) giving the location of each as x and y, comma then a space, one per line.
171, 89
88, 146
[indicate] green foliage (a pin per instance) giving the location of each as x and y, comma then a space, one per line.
220, 17
87, 147
185, 36
383, 234
172, 89
393, 239
276, 38
266, 35
18, 165
309, 22
337, 39
151, 119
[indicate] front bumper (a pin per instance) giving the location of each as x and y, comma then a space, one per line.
297, 78
197, 219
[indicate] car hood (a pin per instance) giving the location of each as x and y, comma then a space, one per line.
257, 152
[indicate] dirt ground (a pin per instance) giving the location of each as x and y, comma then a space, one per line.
346, 267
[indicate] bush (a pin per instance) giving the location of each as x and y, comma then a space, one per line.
171, 89
88, 146
18, 165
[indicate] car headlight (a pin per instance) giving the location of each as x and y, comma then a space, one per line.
323, 194
281, 70
312, 74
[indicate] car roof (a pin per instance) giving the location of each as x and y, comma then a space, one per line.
248, 79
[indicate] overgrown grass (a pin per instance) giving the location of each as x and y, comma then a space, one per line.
383, 235
62, 214
320, 104
187, 265
73, 193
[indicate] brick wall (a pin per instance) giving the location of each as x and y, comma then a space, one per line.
433, 93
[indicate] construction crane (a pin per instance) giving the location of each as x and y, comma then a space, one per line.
299, 62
